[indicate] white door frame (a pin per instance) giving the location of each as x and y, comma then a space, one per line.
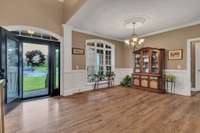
188, 69
197, 87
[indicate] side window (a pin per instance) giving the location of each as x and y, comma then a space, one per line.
99, 59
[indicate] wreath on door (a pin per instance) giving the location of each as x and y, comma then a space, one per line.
35, 58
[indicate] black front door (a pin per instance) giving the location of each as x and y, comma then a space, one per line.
10, 66
42, 78
55, 70
23, 79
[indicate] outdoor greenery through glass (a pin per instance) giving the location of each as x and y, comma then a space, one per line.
35, 68
99, 61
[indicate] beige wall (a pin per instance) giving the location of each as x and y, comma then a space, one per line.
172, 40
46, 14
71, 7
123, 56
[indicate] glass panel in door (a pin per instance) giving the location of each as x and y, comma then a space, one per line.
91, 63
55, 73
100, 62
12, 70
35, 70
155, 61
145, 61
57, 55
57, 68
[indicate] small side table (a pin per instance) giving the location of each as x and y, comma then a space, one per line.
171, 84
109, 81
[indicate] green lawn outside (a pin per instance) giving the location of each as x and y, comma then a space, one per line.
41, 68
34, 83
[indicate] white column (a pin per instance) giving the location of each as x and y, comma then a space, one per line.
67, 48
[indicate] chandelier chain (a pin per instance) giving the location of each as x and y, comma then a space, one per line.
134, 28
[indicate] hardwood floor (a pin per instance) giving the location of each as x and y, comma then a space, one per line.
117, 110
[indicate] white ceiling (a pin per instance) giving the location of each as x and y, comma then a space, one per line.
106, 17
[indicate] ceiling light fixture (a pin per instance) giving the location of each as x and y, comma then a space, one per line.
134, 42
30, 32
61, 0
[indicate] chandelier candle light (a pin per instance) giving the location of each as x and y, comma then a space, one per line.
134, 42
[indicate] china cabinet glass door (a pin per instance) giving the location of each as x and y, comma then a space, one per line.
137, 62
145, 58
155, 61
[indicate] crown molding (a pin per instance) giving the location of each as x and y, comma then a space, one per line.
171, 29
97, 34
143, 35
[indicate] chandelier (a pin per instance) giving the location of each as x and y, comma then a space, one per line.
134, 42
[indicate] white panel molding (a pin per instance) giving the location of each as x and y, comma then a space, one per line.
121, 73
196, 68
67, 48
76, 80
189, 43
182, 82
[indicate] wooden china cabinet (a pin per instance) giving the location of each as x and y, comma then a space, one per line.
148, 69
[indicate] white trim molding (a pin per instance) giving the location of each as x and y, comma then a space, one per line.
197, 87
170, 29
97, 34
188, 70
67, 48
36, 29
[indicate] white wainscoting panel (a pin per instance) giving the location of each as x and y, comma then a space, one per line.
182, 82
121, 73
76, 81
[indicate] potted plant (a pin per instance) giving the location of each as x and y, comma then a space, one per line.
170, 78
126, 81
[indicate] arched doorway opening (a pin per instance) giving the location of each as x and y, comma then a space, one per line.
30, 62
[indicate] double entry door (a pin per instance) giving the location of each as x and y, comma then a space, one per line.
30, 67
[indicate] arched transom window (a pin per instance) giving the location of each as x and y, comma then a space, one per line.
99, 59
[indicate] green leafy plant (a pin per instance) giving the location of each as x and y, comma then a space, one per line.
110, 74
35, 58
126, 81
170, 77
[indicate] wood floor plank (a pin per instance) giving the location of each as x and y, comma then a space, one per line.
116, 110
